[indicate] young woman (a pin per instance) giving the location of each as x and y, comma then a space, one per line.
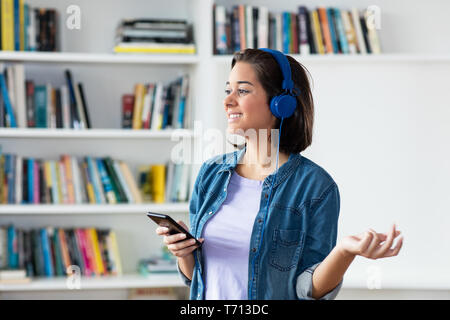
288, 251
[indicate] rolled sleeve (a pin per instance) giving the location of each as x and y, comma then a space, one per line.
304, 286
185, 279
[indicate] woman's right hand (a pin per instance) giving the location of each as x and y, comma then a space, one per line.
177, 243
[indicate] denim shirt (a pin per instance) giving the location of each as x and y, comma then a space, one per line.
300, 230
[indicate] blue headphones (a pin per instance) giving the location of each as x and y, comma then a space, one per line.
281, 106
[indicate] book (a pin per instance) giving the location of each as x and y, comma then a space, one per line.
143, 47
139, 94
158, 182
69, 177
10, 116
7, 24
47, 255
106, 182
303, 30
359, 33
75, 117
220, 34
79, 105
350, 32
100, 268
127, 111
20, 95
130, 181
14, 276
117, 187
333, 32
372, 34
340, 31
122, 181
115, 253
95, 180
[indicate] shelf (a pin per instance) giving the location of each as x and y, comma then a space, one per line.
96, 283
385, 57
101, 58
87, 209
93, 133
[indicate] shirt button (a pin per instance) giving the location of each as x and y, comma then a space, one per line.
254, 250
210, 212
259, 220
266, 196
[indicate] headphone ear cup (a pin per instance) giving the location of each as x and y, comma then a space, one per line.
283, 106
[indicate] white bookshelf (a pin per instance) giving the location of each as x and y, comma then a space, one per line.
35, 133
345, 86
97, 209
96, 58
127, 281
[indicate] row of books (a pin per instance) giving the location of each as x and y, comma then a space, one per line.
66, 181
161, 183
27, 180
157, 106
25, 104
154, 36
53, 251
27, 28
323, 30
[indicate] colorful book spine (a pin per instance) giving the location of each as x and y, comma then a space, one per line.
106, 182
64, 249
97, 254
69, 178
10, 116
332, 28
37, 183
30, 178
131, 182
93, 179
341, 35
59, 267
47, 254
158, 174
89, 186
122, 181
13, 254
81, 241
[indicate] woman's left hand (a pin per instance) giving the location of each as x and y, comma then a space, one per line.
371, 244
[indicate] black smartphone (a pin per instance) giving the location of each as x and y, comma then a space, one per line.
164, 220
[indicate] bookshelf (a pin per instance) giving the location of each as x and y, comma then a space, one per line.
87, 53
98, 283
99, 58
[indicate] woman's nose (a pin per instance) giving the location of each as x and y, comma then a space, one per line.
229, 100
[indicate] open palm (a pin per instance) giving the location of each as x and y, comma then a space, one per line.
373, 245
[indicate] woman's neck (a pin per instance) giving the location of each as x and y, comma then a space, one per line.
258, 163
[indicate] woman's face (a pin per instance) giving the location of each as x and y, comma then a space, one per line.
247, 100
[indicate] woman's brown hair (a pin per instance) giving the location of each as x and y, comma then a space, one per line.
296, 133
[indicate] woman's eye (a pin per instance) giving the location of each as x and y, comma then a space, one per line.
242, 91
227, 91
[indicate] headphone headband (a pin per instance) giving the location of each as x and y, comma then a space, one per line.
285, 67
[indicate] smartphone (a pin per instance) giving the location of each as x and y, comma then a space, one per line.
164, 220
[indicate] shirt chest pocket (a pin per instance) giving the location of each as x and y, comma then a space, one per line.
286, 248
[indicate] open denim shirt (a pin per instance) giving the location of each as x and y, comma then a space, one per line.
300, 231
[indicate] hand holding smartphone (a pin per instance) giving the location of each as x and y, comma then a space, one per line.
164, 220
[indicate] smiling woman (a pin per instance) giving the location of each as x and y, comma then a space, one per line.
269, 230
261, 77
